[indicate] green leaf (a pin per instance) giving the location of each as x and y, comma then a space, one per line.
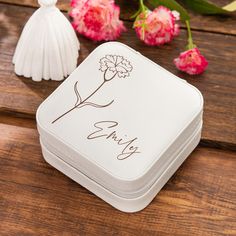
204, 7
230, 7
173, 5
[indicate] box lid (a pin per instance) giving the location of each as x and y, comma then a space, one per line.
119, 118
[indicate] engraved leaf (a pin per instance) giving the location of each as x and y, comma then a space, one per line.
78, 97
94, 104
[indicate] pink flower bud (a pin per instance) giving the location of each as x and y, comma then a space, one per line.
191, 62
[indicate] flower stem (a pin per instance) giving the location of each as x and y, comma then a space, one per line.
190, 45
83, 101
142, 6
93, 92
141, 9
58, 118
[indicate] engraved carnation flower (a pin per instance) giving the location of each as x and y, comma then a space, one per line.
118, 65
111, 66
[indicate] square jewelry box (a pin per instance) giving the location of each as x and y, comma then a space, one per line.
120, 125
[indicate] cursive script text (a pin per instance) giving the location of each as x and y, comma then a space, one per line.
105, 129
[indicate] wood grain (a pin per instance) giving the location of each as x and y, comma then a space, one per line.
13, 119
200, 199
22, 96
217, 24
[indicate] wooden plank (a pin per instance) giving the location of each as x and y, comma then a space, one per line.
22, 96
219, 24
17, 121
200, 199
214, 24
63, 5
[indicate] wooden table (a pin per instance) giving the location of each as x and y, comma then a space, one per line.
200, 199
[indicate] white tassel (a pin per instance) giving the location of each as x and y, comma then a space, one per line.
48, 47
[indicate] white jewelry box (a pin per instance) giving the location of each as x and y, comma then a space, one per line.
120, 125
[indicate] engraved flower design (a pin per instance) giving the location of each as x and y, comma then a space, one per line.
116, 64
111, 66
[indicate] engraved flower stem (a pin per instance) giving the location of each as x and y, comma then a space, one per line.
83, 101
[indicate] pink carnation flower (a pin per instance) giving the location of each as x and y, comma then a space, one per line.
158, 26
97, 19
191, 62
